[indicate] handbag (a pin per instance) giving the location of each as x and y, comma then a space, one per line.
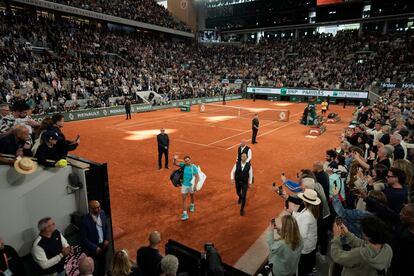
177, 177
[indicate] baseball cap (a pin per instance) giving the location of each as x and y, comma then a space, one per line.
51, 135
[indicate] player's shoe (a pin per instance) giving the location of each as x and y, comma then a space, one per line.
184, 216
192, 207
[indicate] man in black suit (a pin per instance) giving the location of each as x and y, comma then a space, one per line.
94, 236
149, 257
163, 145
255, 128
128, 108
242, 176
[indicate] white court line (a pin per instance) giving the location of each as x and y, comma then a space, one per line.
209, 125
294, 122
198, 144
246, 131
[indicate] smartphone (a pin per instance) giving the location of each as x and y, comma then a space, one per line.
280, 190
336, 185
273, 221
274, 184
283, 173
338, 221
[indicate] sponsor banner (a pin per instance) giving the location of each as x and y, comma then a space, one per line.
404, 85
309, 92
136, 108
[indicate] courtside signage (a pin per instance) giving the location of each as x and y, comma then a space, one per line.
309, 92
135, 108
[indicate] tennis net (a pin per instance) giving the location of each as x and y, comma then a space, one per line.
246, 112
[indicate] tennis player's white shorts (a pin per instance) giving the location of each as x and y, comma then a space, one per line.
186, 189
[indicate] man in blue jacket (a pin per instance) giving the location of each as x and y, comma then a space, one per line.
94, 236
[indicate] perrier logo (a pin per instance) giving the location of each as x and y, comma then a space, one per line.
283, 91
254, 89
335, 93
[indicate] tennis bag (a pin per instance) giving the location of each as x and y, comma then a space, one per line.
177, 177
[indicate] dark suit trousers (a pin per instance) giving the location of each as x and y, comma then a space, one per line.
100, 262
162, 151
254, 134
128, 114
241, 190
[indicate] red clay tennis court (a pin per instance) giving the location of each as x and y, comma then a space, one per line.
143, 199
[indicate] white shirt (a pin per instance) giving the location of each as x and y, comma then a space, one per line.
39, 254
249, 153
308, 229
98, 223
233, 171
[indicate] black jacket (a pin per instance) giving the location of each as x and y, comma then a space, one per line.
63, 145
13, 259
9, 144
163, 141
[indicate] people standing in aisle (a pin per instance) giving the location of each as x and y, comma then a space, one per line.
163, 142
255, 128
242, 176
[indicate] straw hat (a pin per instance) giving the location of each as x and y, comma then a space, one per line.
310, 196
25, 165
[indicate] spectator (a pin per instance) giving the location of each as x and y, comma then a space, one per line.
48, 154
121, 266
86, 266
169, 266
396, 192
10, 262
50, 248
306, 217
285, 245
63, 145
15, 143
94, 236
395, 141
403, 242
6, 119
149, 257
366, 257
321, 177
331, 160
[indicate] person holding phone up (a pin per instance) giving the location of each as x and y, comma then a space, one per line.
285, 246
63, 145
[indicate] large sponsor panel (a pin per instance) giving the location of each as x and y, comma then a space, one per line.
309, 92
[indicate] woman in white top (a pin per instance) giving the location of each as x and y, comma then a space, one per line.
306, 217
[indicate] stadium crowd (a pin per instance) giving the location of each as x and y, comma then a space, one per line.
359, 198
147, 11
55, 65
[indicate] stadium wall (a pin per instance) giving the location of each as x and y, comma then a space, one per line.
136, 108
24, 199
